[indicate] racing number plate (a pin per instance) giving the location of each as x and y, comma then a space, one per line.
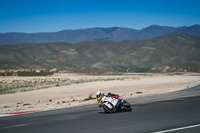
100, 99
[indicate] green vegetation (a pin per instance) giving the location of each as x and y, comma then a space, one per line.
26, 104
6, 106
26, 73
57, 84
6, 74
188, 67
185, 67
34, 73
89, 97
139, 92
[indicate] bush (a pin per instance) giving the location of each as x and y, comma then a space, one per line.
89, 97
139, 92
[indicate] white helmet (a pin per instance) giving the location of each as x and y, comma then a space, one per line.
98, 93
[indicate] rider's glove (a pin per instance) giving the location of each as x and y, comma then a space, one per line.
100, 105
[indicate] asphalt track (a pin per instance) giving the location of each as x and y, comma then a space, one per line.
177, 112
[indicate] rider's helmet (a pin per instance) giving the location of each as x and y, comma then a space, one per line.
98, 94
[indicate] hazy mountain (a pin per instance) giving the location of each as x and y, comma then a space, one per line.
172, 49
96, 34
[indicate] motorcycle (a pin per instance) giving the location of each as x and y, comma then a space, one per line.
112, 105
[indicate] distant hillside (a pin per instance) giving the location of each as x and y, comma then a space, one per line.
96, 34
140, 55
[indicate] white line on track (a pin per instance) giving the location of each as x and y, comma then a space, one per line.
176, 129
3, 115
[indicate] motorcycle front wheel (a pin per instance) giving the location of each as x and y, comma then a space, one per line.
109, 108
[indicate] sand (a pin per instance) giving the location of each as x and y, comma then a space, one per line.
130, 85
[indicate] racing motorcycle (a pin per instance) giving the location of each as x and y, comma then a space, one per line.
112, 105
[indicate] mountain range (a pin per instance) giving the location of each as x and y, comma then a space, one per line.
116, 34
138, 55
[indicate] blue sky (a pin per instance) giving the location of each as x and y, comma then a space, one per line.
55, 15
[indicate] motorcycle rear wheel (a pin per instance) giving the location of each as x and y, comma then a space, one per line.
127, 107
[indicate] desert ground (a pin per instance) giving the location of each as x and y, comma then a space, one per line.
63, 90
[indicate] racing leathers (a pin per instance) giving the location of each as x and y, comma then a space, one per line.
119, 106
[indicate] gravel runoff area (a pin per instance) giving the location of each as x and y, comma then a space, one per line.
66, 90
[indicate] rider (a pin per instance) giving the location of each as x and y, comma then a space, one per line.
99, 93
120, 104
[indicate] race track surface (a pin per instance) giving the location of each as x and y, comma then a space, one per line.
177, 112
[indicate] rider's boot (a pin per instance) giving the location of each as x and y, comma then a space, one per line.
123, 102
